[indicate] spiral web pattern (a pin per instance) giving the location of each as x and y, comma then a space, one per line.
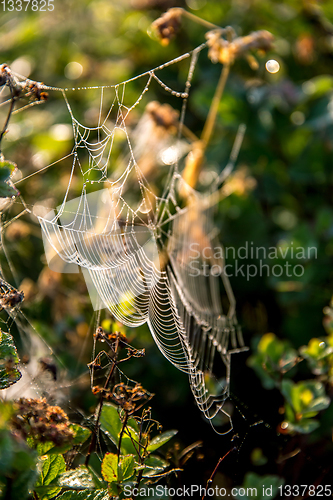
136, 248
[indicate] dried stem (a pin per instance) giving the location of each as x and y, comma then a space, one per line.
198, 20
210, 480
195, 158
122, 432
210, 121
100, 406
12, 104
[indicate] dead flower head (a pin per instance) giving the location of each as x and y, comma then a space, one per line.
103, 336
167, 25
226, 52
10, 299
36, 92
130, 398
34, 418
163, 115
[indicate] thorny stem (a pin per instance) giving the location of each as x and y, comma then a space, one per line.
210, 480
210, 121
100, 406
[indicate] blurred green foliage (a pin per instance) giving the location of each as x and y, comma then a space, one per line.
283, 200
9, 373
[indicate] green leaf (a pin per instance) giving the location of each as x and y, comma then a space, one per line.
286, 389
6, 412
99, 483
81, 434
7, 347
272, 358
77, 479
305, 397
52, 467
111, 425
305, 426
133, 423
303, 402
7, 191
160, 440
59, 450
9, 377
125, 467
319, 355
85, 495
129, 437
154, 465
110, 467
6, 169
9, 374
113, 490
114, 470
318, 404
110, 422
43, 448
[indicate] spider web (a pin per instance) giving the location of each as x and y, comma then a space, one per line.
134, 245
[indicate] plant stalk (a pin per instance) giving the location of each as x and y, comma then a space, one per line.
211, 118
100, 407
12, 104
198, 20
210, 480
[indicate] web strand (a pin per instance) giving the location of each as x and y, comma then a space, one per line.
134, 245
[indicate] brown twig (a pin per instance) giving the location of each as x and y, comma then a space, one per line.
11, 108
210, 480
100, 405
122, 432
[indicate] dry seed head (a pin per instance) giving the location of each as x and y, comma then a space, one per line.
218, 47
35, 418
11, 299
167, 25
35, 91
163, 115
225, 52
